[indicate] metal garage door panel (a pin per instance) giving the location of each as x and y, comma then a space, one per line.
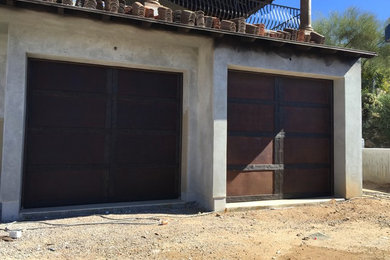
299, 121
250, 150
249, 183
145, 149
144, 183
250, 86
53, 75
48, 186
304, 90
65, 148
94, 128
54, 110
139, 83
306, 151
306, 182
147, 114
146, 144
250, 117
305, 120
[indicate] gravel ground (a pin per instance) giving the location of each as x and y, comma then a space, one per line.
354, 229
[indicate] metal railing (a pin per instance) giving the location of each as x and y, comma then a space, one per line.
224, 9
276, 17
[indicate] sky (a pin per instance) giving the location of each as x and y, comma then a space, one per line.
324, 7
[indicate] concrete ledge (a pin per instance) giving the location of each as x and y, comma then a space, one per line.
158, 206
270, 204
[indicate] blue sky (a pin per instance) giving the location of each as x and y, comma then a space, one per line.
323, 7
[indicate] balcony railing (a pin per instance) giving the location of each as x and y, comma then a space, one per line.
223, 9
276, 17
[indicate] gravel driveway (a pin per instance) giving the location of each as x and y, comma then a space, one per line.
354, 229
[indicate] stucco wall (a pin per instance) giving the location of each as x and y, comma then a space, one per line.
3, 62
3, 65
376, 165
204, 62
50, 36
345, 74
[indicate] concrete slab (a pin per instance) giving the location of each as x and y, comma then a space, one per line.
158, 206
375, 191
270, 204
376, 194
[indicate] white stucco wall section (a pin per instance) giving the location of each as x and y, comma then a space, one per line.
50, 36
348, 176
347, 104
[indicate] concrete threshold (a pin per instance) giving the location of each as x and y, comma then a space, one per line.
274, 204
155, 206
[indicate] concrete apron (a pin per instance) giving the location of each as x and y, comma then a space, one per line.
156, 206
159, 206
275, 204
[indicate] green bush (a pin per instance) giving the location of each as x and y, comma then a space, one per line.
362, 30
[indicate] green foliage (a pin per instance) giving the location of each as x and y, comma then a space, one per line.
383, 120
352, 29
362, 30
376, 127
370, 108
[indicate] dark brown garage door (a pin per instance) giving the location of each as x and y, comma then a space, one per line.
100, 134
279, 137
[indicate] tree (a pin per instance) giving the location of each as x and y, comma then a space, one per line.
362, 30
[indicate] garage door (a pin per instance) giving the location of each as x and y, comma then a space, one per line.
279, 137
100, 134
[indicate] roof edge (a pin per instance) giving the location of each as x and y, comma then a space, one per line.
106, 16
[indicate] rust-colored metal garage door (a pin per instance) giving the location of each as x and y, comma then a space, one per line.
99, 134
279, 137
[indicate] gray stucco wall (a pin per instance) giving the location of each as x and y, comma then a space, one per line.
204, 63
346, 75
3, 62
3, 65
348, 134
82, 40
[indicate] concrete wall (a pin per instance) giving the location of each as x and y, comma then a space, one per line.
204, 62
347, 112
376, 165
348, 179
3, 62
50, 36
3, 73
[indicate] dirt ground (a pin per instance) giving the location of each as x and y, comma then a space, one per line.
353, 229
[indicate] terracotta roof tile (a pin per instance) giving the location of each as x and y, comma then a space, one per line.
193, 21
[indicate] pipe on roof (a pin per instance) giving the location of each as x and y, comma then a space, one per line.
306, 15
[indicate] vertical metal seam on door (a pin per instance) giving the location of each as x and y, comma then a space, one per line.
278, 153
108, 137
